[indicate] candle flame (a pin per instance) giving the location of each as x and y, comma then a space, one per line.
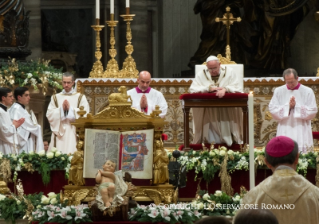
251, 92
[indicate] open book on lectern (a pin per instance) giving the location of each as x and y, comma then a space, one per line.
132, 151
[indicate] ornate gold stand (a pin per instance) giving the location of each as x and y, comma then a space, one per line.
112, 68
129, 66
97, 70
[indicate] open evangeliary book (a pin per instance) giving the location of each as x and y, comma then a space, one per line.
132, 151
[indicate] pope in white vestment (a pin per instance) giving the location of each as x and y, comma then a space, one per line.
295, 122
219, 125
8, 138
63, 133
29, 134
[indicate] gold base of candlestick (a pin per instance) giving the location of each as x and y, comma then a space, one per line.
129, 66
97, 69
112, 68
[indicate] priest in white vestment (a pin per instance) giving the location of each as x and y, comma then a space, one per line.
291, 197
146, 98
294, 105
219, 125
62, 111
29, 134
8, 137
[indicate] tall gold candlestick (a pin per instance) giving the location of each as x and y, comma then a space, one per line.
97, 69
129, 66
112, 68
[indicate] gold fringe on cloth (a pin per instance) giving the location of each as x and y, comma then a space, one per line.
225, 178
5, 170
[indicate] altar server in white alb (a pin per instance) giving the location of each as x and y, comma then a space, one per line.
219, 125
29, 134
146, 98
8, 137
62, 111
294, 105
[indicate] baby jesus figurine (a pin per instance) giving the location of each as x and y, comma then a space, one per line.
106, 179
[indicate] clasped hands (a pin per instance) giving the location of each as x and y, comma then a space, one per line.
18, 123
220, 91
66, 105
143, 102
292, 103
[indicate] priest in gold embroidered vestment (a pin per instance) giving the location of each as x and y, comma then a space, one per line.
291, 197
62, 111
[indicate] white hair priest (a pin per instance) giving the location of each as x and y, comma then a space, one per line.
219, 125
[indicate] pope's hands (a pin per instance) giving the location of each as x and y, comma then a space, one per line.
143, 102
220, 91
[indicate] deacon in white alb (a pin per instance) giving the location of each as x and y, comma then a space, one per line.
62, 110
146, 98
8, 138
294, 105
29, 134
219, 125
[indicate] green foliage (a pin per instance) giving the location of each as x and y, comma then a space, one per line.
207, 163
217, 204
11, 209
32, 73
41, 162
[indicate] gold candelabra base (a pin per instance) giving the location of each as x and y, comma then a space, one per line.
97, 69
129, 66
112, 68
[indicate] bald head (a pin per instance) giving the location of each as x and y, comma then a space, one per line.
144, 80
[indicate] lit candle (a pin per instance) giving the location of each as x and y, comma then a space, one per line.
251, 140
97, 9
112, 7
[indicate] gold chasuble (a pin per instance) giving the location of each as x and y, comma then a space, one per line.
291, 197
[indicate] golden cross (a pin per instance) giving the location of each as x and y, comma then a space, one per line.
286, 194
228, 20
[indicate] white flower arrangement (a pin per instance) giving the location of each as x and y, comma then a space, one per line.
173, 213
60, 214
218, 203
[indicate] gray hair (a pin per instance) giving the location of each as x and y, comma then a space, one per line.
69, 74
289, 71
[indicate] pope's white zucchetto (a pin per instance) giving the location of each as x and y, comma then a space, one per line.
212, 58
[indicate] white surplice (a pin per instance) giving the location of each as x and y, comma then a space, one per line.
63, 133
295, 123
154, 98
29, 134
8, 138
219, 125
